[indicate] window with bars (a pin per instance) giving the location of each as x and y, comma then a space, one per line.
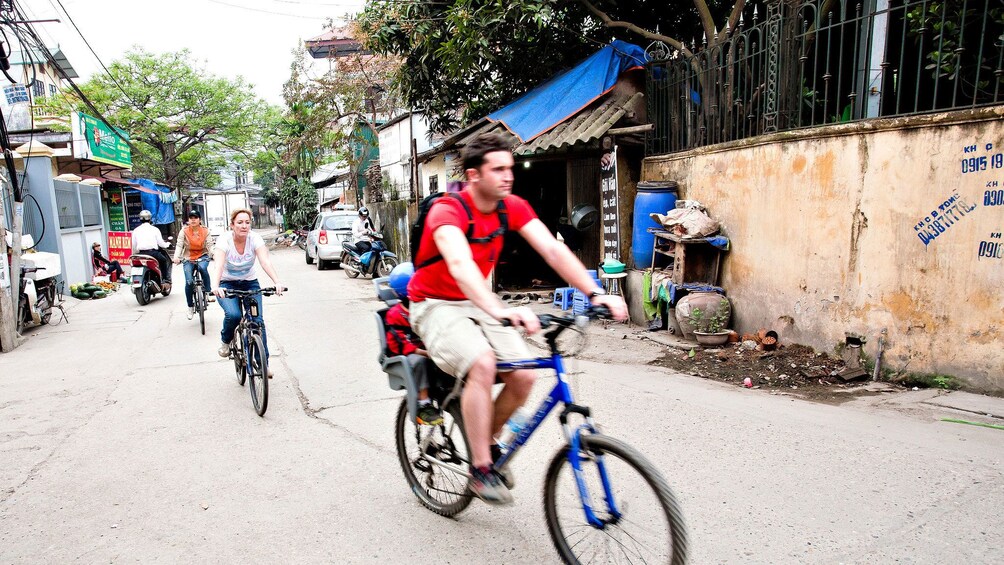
433, 184
68, 206
53, 90
38, 88
90, 204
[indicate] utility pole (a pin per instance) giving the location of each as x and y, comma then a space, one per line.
9, 305
9, 302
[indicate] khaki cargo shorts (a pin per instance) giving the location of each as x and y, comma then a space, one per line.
456, 333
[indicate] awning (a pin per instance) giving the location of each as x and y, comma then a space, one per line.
104, 179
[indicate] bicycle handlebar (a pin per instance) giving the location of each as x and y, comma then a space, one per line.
267, 291
592, 312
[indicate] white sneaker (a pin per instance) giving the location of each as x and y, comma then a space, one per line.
224, 350
191, 312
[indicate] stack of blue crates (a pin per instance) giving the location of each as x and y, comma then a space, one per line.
580, 301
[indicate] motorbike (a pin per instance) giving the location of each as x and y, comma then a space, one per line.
377, 262
36, 298
147, 280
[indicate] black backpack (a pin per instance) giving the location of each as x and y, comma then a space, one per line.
423, 212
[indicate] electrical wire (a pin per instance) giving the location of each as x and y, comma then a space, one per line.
32, 34
118, 85
249, 9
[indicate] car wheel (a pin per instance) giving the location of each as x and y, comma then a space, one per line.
320, 264
310, 260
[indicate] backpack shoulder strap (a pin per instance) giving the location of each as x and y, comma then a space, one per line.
503, 216
470, 215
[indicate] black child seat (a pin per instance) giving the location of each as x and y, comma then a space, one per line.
401, 377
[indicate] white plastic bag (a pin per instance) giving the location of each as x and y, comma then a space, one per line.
687, 222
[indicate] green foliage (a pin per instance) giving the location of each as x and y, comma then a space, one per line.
466, 58
929, 380
710, 323
185, 124
299, 202
951, 30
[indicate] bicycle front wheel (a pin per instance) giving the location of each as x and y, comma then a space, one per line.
200, 305
439, 478
238, 356
640, 519
258, 373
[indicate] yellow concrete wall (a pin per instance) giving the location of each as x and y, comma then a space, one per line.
828, 230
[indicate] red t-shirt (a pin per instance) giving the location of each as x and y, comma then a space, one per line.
435, 281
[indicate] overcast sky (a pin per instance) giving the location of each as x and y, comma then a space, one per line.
251, 38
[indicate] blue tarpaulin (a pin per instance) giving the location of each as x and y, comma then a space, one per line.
160, 206
564, 95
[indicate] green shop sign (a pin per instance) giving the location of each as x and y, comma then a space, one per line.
95, 140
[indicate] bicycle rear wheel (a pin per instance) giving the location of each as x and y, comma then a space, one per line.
643, 522
258, 382
441, 484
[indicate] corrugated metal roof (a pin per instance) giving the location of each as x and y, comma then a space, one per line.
584, 127
37, 56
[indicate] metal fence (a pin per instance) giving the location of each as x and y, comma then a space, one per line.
828, 61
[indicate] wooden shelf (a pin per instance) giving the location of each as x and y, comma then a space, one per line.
691, 260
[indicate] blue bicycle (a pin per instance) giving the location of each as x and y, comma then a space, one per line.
603, 501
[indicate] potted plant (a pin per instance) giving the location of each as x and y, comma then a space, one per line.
710, 327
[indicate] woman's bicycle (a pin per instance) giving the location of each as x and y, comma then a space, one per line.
247, 348
603, 501
199, 298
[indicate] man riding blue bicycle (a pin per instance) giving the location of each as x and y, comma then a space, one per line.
458, 316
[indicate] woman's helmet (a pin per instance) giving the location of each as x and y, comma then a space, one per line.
364, 212
145, 216
399, 278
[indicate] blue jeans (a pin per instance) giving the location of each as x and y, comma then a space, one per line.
232, 311
203, 265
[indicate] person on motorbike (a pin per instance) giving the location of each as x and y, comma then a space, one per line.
235, 255
146, 240
196, 247
459, 317
362, 229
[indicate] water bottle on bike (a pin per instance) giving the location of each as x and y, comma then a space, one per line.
516, 424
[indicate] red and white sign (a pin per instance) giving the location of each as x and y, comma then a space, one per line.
119, 246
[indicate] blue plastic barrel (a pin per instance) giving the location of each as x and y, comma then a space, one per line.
653, 197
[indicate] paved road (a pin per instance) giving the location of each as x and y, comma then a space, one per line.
124, 438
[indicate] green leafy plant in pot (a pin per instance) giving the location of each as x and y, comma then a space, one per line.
710, 327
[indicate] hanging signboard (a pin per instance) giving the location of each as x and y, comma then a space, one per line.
116, 211
134, 205
96, 141
608, 194
119, 246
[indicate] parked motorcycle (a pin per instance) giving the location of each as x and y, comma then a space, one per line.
377, 262
37, 295
147, 280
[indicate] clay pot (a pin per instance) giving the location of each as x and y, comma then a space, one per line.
708, 302
718, 338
